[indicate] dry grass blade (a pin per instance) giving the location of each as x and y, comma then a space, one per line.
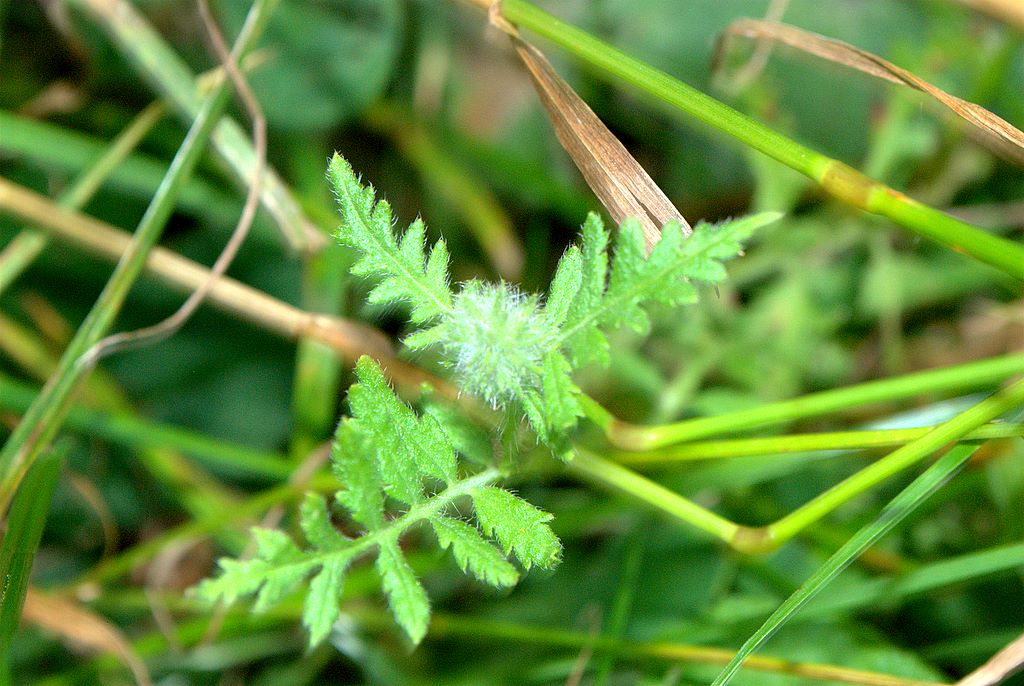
1004, 663
617, 179
1005, 139
82, 629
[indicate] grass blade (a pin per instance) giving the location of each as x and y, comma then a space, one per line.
24, 530
934, 478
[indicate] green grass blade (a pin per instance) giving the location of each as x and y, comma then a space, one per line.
171, 78
18, 548
930, 481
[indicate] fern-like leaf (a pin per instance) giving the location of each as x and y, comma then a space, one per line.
508, 347
404, 273
386, 454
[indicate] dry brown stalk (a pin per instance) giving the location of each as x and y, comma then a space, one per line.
1004, 138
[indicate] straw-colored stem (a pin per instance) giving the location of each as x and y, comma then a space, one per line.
348, 337
797, 443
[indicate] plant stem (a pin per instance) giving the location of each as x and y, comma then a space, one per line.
840, 180
797, 443
605, 472
43, 419
766, 538
973, 375
953, 430
348, 337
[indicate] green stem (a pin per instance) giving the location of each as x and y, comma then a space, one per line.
43, 419
763, 539
838, 179
973, 375
953, 430
607, 473
798, 443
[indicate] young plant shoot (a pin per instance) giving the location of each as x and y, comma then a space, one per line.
514, 350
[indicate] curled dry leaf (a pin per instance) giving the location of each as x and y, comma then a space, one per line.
1004, 138
617, 179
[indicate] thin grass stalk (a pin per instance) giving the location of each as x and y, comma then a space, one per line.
838, 179
954, 379
843, 441
992, 407
756, 540
42, 421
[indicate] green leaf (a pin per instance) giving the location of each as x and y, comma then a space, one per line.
25, 525
321, 607
663, 276
561, 407
406, 597
564, 286
281, 565
315, 520
586, 344
518, 526
468, 438
353, 462
407, 447
473, 553
404, 274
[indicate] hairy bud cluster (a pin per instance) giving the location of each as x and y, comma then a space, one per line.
496, 338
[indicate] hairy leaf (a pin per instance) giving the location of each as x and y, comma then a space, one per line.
473, 553
353, 462
407, 447
321, 607
315, 520
405, 274
518, 526
406, 597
